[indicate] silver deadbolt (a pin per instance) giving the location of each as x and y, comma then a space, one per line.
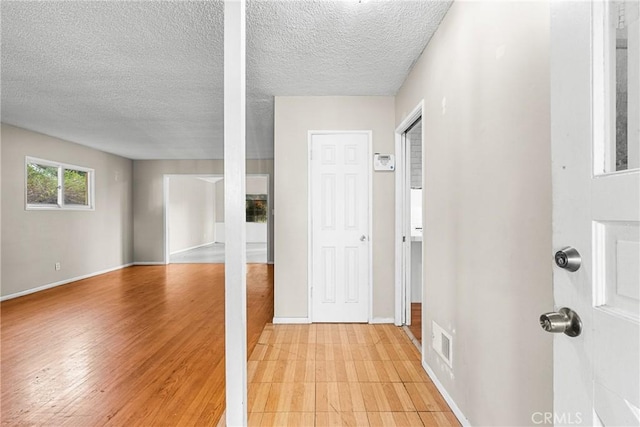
568, 258
564, 321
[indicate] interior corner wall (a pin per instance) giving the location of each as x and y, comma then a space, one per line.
192, 213
484, 78
83, 242
294, 117
148, 206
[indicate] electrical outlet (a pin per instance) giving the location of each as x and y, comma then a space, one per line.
58, 266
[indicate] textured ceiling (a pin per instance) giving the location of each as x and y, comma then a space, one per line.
144, 79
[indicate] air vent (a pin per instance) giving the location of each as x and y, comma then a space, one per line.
446, 347
442, 343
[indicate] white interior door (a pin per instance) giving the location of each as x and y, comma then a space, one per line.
595, 49
339, 203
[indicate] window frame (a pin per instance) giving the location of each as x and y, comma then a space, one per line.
61, 205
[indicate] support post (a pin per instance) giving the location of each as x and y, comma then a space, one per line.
234, 199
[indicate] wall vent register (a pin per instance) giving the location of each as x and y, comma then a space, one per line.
442, 343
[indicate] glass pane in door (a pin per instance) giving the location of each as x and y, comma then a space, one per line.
624, 51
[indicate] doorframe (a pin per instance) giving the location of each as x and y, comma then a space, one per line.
402, 307
166, 211
369, 175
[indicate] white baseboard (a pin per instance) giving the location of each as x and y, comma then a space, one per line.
447, 397
149, 263
379, 320
62, 282
291, 321
191, 248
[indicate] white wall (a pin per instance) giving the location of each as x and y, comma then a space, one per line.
84, 242
416, 271
220, 201
484, 78
148, 177
294, 117
1, 215
192, 214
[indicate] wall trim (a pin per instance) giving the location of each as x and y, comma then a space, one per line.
149, 263
291, 321
192, 247
380, 320
447, 397
63, 282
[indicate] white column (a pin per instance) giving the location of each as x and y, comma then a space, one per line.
234, 213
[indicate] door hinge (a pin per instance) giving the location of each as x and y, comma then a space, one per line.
404, 239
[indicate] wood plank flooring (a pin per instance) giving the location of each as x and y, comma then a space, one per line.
142, 346
341, 375
416, 320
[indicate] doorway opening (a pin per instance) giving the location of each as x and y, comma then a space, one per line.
409, 230
413, 217
194, 218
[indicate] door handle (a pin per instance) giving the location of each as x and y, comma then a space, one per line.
564, 321
363, 238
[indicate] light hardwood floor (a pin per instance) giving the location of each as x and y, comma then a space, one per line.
341, 375
416, 321
143, 346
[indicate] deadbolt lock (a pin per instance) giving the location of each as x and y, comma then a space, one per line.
564, 321
568, 258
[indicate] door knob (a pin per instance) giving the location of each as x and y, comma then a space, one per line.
564, 321
363, 238
568, 258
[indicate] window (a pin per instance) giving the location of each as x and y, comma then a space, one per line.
52, 185
256, 207
616, 50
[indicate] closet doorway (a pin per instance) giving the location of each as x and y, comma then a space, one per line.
409, 253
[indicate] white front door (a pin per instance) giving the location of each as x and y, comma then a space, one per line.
339, 203
595, 100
